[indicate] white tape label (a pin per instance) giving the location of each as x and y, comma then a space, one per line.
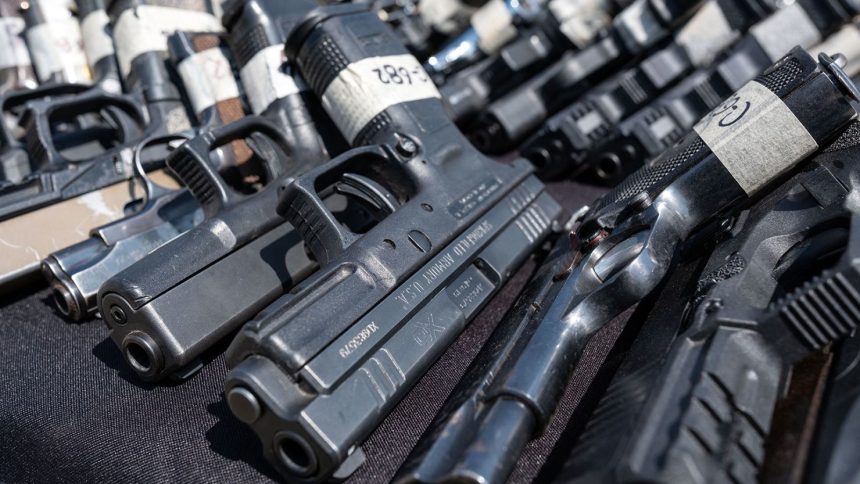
57, 47
367, 87
13, 50
706, 34
580, 20
265, 80
98, 42
440, 13
493, 23
637, 24
145, 29
755, 136
208, 78
772, 33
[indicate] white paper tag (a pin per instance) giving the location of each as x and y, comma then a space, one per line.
264, 79
845, 42
145, 28
367, 87
494, 26
706, 34
439, 13
755, 136
57, 46
98, 42
13, 49
580, 20
208, 78
637, 24
773, 35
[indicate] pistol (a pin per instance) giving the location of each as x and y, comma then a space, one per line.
316, 371
209, 77
491, 27
257, 31
97, 38
586, 134
55, 43
16, 67
700, 383
147, 310
76, 272
568, 25
80, 145
58, 46
242, 256
658, 128
730, 157
408, 22
635, 30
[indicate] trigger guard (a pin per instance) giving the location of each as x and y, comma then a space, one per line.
369, 191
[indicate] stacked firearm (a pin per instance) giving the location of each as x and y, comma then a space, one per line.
318, 183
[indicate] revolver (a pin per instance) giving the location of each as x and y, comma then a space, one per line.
315, 372
733, 155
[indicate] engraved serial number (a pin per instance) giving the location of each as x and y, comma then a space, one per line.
391, 74
358, 340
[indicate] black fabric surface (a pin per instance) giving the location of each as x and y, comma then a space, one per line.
71, 411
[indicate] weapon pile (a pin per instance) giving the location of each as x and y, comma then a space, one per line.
316, 183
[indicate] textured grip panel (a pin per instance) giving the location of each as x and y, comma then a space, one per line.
321, 60
848, 139
667, 167
246, 45
615, 416
822, 310
734, 266
371, 130
783, 77
717, 428
194, 176
35, 144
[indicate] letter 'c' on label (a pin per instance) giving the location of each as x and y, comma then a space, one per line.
755, 136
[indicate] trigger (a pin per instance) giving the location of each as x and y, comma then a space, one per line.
368, 191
